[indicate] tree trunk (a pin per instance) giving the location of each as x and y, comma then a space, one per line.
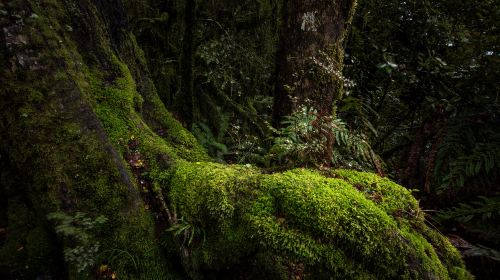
310, 61
187, 97
311, 55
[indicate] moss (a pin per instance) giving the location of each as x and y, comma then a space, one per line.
399, 203
446, 252
324, 224
64, 114
391, 197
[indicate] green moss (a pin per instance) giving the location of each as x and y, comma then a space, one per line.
299, 216
116, 104
446, 252
391, 197
64, 114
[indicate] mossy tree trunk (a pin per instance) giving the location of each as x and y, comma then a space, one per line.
311, 58
79, 119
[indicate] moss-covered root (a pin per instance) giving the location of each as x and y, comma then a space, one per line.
69, 104
400, 204
304, 224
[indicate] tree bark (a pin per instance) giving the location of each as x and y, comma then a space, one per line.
311, 55
187, 95
310, 61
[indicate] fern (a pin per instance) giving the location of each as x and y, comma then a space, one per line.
467, 153
480, 218
486, 208
303, 141
213, 144
79, 233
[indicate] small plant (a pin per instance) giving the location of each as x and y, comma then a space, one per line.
300, 142
78, 232
303, 141
204, 135
186, 230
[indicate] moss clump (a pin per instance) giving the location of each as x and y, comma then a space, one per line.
323, 225
391, 197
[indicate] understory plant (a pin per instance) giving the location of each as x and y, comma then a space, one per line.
78, 231
303, 141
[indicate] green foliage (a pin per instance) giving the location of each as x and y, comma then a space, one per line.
469, 153
206, 138
421, 69
79, 232
486, 208
186, 230
303, 140
301, 217
480, 218
425, 76
233, 59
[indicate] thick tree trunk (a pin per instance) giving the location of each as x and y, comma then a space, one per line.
310, 60
187, 97
78, 113
311, 55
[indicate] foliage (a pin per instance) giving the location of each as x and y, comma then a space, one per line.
469, 153
186, 230
486, 208
479, 218
302, 141
79, 231
206, 138
233, 59
426, 70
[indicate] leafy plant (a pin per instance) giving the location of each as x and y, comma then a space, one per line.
486, 208
467, 152
206, 138
78, 231
299, 142
303, 140
186, 230
480, 218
